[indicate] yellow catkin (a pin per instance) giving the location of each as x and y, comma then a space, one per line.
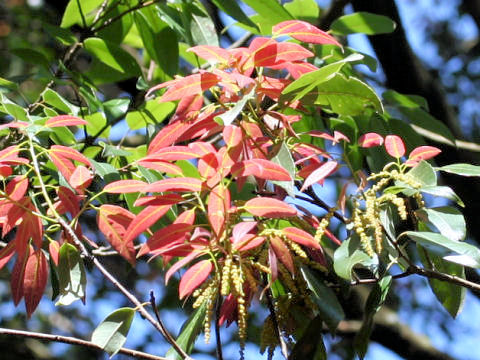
242, 320
236, 276
226, 270
296, 248
209, 313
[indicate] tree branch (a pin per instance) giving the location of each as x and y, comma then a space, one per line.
75, 341
333, 12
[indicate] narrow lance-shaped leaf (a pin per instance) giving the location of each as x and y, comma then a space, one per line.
422, 153
35, 280
125, 186
173, 233
146, 218
64, 120
319, 174
300, 237
112, 332
269, 207
194, 277
282, 253
303, 31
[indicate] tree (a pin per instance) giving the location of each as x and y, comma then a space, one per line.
220, 173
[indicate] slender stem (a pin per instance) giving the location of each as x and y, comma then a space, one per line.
76, 341
217, 328
276, 326
432, 274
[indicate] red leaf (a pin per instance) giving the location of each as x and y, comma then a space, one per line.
113, 222
175, 184
190, 85
370, 140
298, 68
232, 135
320, 174
69, 200
172, 153
179, 264
160, 166
282, 253
263, 169
303, 31
227, 311
125, 187
394, 146
63, 164
167, 199
422, 153
301, 237
9, 156
269, 207
208, 165
164, 238
17, 187
69, 153
64, 120
187, 217
35, 280
218, 207
54, 251
30, 227
81, 178
5, 171
273, 262
18, 274
7, 253
146, 218
213, 54
194, 277
11, 214
167, 136
202, 148
248, 242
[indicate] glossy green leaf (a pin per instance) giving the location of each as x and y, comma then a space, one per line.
347, 96
454, 251
448, 220
97, 125
202, 27
54, 99
443, 191
189, 332
408, 101
159, 40
115, 109
329, 308
269, 9
424, 174
71, 275
451, 296
349, 255
305, 10
363, 22
112, 150
151, 112
461, 169
62, 35
118, 29
307, 82
228, 117
76, 10
7, 85
375, 300
113, 56
9, 107
284, 159
231, 7
106, 171
112, 332
421, 118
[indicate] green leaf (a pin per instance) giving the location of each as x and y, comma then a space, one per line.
7, 85
189, 332
347, 96
112, 150
350, 254
443, 191
329, 308
63, 36
117, 30
31, 56
310, 345
159, 40
16, 111
63, 136
461, 169
307, 82
374, 303
451, 296
113, 56
450, 250
106, 171
408, 101
75, 9
71, 275
269, 9
448, 220
424, 174
151, 112
306, 10
97, 122
228, 117
421, 118
115, 109
231, 7
112, 332
202, 28
54, 99
284, 159
363, 22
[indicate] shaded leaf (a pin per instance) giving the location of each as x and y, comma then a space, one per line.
35, 280
363, 22
71, 275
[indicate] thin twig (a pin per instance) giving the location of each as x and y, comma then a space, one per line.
432, 274
276, 326
76, 341
217, 328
